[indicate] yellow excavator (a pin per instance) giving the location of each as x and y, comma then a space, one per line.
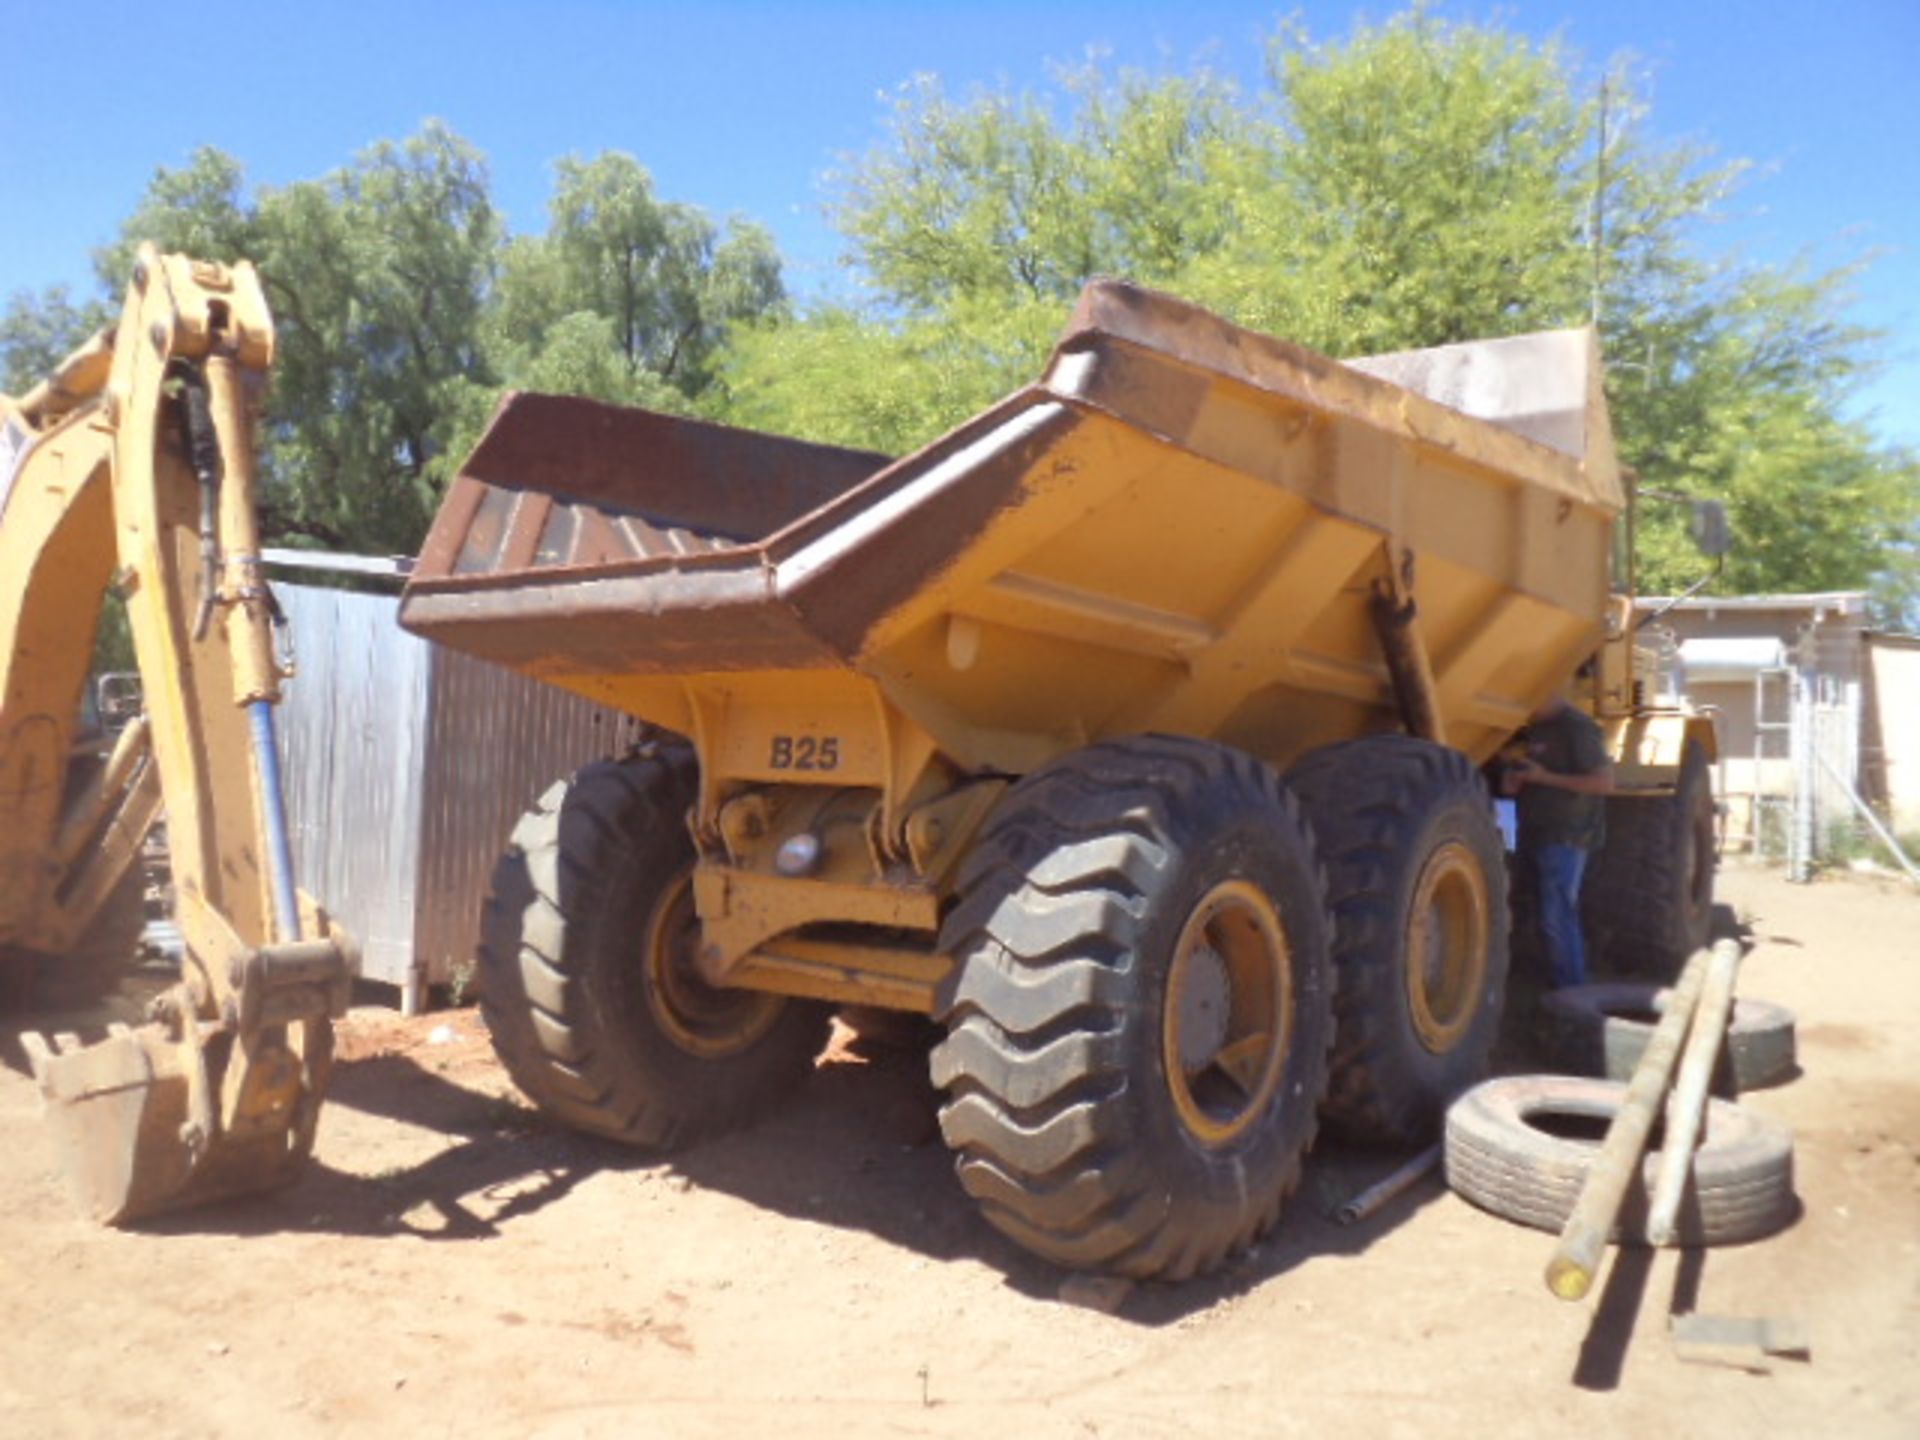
131, 467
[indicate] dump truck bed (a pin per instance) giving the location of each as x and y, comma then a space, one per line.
1179, 528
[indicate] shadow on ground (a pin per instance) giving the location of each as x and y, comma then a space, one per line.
856, 1149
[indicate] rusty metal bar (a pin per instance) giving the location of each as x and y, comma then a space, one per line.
1371, 1199
1577, 1257
1688, 1108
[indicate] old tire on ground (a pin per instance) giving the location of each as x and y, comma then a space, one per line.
586, 970
107, 952
1602, 1030
1417, 878
1647, 903
1139, 1013
1520, 1147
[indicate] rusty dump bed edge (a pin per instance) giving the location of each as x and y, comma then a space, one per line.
585, 538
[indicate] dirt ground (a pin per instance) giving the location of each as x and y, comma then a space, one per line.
452, 1266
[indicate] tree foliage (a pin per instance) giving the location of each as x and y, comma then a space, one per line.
403, 308
377, 275
1415, 183
40, 329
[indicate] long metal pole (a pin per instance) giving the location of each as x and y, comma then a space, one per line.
1866, 810
1575, 1259
1800, 838
1688, 1108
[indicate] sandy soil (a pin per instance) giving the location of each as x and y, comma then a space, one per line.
452, 1266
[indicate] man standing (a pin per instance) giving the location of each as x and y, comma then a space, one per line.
1560, 791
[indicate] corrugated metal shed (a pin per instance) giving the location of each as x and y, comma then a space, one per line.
406, 766
495, 742
353, 728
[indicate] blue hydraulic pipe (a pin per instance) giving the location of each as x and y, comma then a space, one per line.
266, 759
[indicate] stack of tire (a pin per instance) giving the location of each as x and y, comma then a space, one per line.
1520, 1146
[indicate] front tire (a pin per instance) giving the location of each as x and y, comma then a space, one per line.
587, 977
1648, 901
1138, 1012
1417, 878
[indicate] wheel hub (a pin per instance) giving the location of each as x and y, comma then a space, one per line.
1228, 1013
700, 1018
1205, 1001
1449, 929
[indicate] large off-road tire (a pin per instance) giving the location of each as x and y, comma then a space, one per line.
586, 968
1647, 903
1138, 1013
1417, 878
1603, 1030
1520, 1147
107, 951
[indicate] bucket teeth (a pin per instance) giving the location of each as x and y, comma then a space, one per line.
34, 1044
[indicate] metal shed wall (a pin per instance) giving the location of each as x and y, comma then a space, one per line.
352, 738
406, 766
495, 742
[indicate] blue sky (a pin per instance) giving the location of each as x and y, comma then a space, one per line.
743, 107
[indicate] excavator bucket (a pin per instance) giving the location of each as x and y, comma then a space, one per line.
133, 1120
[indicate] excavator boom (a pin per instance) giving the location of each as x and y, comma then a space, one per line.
132, 466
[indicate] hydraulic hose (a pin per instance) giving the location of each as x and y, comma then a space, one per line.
266, 759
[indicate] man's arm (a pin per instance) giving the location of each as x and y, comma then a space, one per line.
1593, 782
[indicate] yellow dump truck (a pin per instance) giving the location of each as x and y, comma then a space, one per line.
1133, 732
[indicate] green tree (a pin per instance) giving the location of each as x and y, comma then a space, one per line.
844, 378
376, 274
1416, 183
39, 330
974, 224
203, 209
625, 298
998, 198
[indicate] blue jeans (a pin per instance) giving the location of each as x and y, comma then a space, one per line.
1560, 869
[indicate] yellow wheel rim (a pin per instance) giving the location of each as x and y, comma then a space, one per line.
1228, 1015
1446, 946
699, 1018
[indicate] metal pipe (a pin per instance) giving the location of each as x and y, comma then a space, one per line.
1575, 1259
1866, 810
1687, 1110
105, 790
1801, 739
273, 814
1408, 666
1369, 1200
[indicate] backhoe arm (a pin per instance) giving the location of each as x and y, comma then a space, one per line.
134, 463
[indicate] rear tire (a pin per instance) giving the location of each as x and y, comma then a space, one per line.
586, 968
1138, 1012
1648, 899
1417, 877
1600, 1030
